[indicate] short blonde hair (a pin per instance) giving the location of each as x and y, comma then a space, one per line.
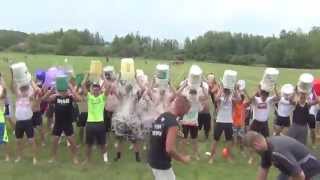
250, 137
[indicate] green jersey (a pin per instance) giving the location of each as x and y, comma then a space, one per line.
96, 107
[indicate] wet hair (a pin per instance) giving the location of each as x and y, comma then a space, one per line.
183, 102
24, 88
242, 97
250, 137
193, 91
264, 93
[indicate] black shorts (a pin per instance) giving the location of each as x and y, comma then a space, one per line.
260, 127
219, 128
25, 126
82, 119
60, 128
50, 111
75, 112
192, 130
283, 121
6, 110
204, 121
312, 121
107, 115
37, 119
96, 132
318, 116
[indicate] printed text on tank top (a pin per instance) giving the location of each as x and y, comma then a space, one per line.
261, 109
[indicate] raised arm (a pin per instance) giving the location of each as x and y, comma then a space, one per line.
277, 96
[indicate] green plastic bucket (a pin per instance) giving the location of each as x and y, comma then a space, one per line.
62, 83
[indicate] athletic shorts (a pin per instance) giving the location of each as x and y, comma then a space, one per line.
260, 127
312, 121
204, 121
3, 134
60, 128
82, 119
75, 112
107, 115
238, 131
160, 174
318, 116
24, 126
37, 119
50, 111
192, 130
298, 132
282, 121
219, 128
7, 110
96, 133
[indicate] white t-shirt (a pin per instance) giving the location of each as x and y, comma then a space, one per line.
191, 118
261, 109
225, 110
285, 108
23, 109
24, 106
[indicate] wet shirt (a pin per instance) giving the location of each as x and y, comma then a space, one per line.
239, 114
63, 109
285, 108
225, 110
158, 157
261, 109
290, 157
301, 114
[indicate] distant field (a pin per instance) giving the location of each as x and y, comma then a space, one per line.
128, 169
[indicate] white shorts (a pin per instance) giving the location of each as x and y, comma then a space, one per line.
163, 174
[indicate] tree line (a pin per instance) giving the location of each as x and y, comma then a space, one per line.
289, 49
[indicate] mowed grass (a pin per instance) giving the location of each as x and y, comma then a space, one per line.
127, 168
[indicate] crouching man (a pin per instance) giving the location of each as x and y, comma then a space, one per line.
291, 157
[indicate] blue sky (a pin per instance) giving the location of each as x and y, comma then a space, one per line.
162, 18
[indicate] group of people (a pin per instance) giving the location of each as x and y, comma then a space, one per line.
141, 111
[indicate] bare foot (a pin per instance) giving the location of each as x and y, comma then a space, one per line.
7, 158
51, 161
17, 160
210, 161
75, 161
34, 161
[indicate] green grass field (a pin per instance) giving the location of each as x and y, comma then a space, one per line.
127, 168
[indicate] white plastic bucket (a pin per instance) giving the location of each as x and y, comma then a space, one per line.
95, 71
242, 84
305, 82
162, 75
194, 78
269, 79
287, 90
127, 69
20, 74
163, 71
229, 79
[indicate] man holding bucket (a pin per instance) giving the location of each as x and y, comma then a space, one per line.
20, 85
95, 126
63, 110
